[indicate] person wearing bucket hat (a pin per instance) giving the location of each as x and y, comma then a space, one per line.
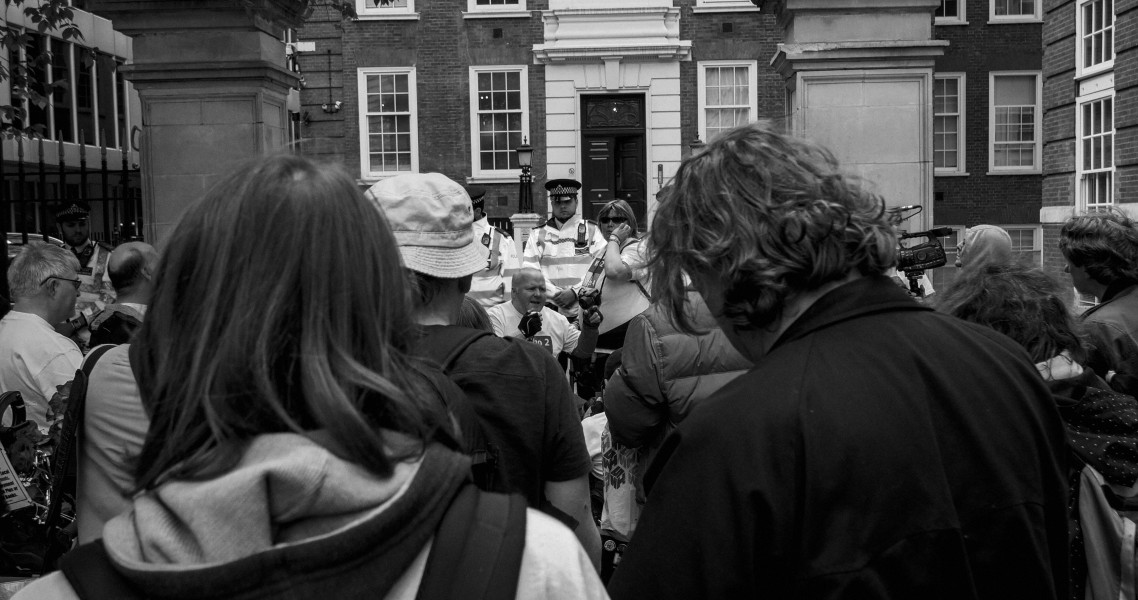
96, 290
525, 407
491, 286
562, 247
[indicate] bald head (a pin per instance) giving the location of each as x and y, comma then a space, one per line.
131, 266
528, 290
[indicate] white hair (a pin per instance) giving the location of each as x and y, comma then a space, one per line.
36, 262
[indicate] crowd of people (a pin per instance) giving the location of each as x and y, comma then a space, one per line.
745, 401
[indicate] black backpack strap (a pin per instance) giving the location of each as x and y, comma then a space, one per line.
89, 571
63, 460
477, 551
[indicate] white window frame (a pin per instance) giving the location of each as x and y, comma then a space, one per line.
961, 146
960, 18
473, 7
1081, 35
367, 10
724, 6
1036, 241
1080, 193
366, 173
1035, 17
1037, 163
701, 84
476, 170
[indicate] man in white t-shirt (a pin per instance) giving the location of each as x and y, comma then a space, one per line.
526, 316
34, 359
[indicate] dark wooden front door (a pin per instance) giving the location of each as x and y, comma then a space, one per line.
614, 163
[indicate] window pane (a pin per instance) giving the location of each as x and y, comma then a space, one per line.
1014, 90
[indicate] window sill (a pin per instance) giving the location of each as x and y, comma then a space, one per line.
497, 14
724, 9
943, 22
371, 179
1098, 69
1023, 172
951, 174
481, 179
1014, 21
394, 17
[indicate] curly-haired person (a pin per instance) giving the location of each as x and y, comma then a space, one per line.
877, 449
1102, 257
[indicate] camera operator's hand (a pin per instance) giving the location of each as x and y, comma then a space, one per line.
565, 297
620, 234
530, 324
591, 318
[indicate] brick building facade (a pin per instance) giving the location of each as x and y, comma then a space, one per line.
1090, 101
612, 94
987, 120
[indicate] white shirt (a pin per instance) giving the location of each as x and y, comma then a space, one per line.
556, 333
35, 360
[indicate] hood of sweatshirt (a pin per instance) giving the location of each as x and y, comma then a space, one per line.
289, 501
985, 245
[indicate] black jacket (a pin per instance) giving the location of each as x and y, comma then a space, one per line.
879, 450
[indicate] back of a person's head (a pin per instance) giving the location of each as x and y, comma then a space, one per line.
986, 245
126, 267
36, 262
1104, 244
472, 315
769, 216
278, 307
1021, 302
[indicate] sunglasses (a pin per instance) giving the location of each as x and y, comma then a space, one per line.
617, 220
74, 282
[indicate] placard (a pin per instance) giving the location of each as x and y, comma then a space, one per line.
15, 496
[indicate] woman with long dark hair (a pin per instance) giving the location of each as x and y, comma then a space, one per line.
292, 440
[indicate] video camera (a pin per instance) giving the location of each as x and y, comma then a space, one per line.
913, 261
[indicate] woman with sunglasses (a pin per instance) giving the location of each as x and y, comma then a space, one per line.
615, 277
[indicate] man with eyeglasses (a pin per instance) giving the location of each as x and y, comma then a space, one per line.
562, 247
35, 360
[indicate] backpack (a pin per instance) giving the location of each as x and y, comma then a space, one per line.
444, 345
476, 554
1107, 515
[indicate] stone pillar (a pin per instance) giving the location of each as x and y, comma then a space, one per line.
213, 87
524, 224
859, 79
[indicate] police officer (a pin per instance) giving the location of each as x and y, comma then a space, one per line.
95, 289
561, 248
490, 286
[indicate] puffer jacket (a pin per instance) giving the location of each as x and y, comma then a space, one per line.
664, 373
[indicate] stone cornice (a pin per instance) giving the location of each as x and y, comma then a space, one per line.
160, 74
836, 55
596, 34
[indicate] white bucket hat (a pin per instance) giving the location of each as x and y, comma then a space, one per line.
432, 220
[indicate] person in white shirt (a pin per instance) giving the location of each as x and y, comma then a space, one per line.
34, 359
526, 316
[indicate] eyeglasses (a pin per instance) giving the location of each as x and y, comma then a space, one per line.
74, 282
617, 220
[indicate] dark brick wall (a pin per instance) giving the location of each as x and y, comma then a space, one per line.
978, 49
753, 36
442, 46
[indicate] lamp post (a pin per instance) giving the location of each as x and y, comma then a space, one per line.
525, 191
696, 146
525, 219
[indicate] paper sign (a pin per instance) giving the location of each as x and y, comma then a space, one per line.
15, 496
